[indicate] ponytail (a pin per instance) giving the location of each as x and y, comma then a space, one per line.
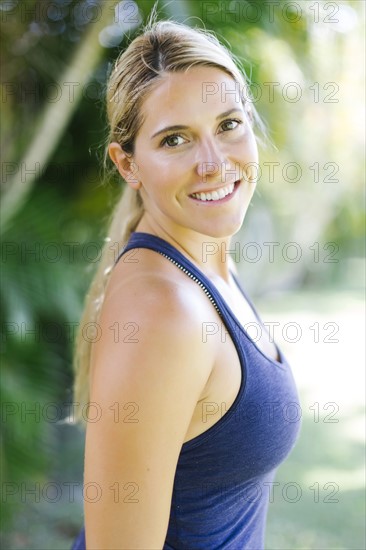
125, 218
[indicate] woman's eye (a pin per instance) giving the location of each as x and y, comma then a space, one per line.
231, 124
172, 140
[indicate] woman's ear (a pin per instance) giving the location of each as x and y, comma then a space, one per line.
125, 164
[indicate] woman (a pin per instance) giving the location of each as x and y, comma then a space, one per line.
188, 423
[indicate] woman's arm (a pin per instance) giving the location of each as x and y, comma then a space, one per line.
146, 384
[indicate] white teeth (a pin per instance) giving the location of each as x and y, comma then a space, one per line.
215, 195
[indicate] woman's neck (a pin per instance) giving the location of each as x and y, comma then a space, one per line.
210, 254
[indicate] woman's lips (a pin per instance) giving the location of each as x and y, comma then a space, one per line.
218, 201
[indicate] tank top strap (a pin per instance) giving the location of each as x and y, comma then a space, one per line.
139, 239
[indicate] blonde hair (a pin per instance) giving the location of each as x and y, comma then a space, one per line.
163, 46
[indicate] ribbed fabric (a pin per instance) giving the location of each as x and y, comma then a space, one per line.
224, 476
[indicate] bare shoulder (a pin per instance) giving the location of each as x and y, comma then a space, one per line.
151, 285
151, 307
150, 366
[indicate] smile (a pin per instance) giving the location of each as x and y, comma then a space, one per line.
218, 195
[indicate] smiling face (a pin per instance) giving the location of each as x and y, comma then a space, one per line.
194, 154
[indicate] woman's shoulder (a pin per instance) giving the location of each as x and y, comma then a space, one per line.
153, 302
153, 317
149, 283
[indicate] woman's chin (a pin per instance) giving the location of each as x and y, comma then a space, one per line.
224, 230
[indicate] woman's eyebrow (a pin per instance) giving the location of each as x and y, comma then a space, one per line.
167, 128
182, 127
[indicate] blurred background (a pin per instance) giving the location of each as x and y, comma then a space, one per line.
300, 252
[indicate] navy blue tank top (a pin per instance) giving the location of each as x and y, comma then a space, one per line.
224, 476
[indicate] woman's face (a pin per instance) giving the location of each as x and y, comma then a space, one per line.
210, 148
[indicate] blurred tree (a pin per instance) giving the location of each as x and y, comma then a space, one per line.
55, 115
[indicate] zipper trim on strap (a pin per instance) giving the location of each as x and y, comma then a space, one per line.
187, 272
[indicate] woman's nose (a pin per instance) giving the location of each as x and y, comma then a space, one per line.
211, 159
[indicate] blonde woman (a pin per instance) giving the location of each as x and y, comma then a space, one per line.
193, 414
